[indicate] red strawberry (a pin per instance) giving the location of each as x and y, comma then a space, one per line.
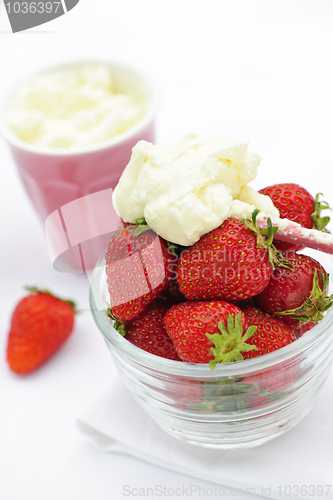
208, 332
296, 204
271, 383
147, 331
138, 269
303, 328
300, 294
284, 246
189, 393
293, 202
40, 325
271, 333
232, 262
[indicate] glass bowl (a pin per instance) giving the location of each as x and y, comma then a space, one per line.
240, 404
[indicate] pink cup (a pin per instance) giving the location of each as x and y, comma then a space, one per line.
61, 181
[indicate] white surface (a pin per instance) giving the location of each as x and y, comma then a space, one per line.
253, 70
129, 431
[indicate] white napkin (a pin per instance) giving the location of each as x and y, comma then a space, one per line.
278, 469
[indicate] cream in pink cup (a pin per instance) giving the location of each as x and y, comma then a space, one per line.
61, 180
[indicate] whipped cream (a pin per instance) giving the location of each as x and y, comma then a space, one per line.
72, 107
188, 189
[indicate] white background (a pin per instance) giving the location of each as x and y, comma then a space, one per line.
249, 69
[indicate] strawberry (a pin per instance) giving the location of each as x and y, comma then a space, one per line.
41, 323
272, 383
138, 268
303, 328
271, 333
296, 204
147, 331
232, 262
298, 296
284, 246
208, 332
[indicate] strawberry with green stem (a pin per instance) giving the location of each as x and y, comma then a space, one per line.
312, 310
40, 325
208, 332
297, 297
295, 203
271, 333
138, 268
232, 262
147, 331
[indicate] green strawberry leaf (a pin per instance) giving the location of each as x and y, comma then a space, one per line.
320, 223
315, 305
35, 289
140, 229
141, 221
269, 231
265, 239
231, 341
171, 247
120, 327
142, 226
117, 325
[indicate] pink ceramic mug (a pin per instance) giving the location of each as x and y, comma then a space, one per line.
59, 180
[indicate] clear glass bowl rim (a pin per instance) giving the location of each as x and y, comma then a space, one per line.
196, 370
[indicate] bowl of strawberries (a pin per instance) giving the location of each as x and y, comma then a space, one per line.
243, 392
224, 342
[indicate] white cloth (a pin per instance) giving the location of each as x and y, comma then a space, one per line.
302, 457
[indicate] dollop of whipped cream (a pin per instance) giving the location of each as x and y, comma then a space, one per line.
188, 189
74, 107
